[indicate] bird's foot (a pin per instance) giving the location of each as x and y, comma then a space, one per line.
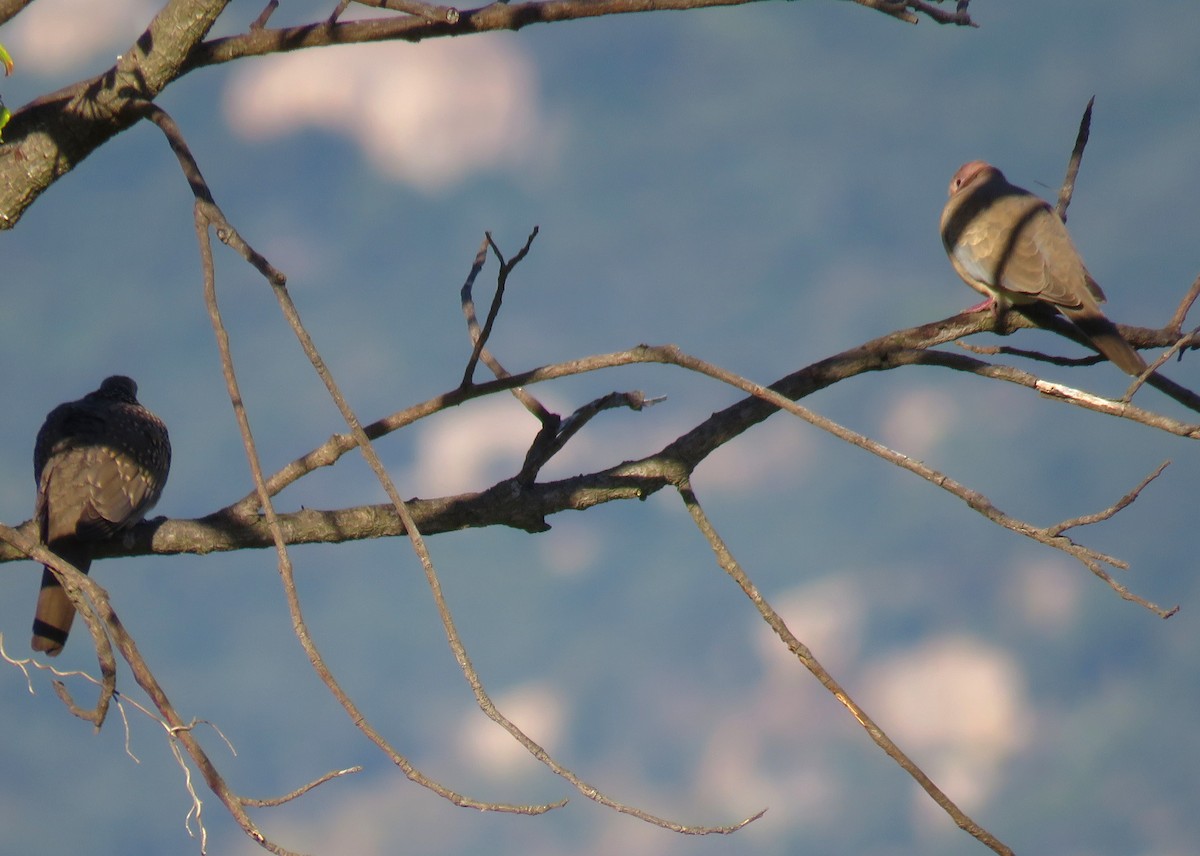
990, 304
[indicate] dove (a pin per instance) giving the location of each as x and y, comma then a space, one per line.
100, 464
1009, 245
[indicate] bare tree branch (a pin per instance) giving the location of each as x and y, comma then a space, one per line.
10, 8
479, 337
209, 215
61, 129
490, 18
525, 507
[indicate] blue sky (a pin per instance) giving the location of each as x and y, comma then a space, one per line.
759, 185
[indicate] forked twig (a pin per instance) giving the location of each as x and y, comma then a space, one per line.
555, 431
480, 336
551, 439
1105, 514
1089, 558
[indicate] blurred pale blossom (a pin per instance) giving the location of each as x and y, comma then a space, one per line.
429, 114
828, 615
537, 710
959, 703
768, 456
916, 421
54, 36
471, 447
570, 547
1046, 593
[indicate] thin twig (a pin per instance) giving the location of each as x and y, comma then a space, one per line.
731, 566
341, 7
222, 337
897, 9
1039, 317
1121, 408
549, 443
264, 15
467, 298
959, 16
430, 12
1185, 306
1105, 514
299, 626
300, 791
1068, 186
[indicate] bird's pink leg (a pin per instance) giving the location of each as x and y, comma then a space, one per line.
989, 303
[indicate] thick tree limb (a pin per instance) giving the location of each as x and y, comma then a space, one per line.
50, 136
507, 503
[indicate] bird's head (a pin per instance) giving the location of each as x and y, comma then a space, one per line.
975, 172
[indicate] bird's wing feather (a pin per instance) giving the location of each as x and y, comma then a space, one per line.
1044, 259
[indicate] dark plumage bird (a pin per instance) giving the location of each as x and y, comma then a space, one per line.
100, 464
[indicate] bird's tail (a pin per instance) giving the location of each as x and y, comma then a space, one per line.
55, 612
1108, 340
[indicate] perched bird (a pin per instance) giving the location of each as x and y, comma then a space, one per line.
1010, 245
100, 464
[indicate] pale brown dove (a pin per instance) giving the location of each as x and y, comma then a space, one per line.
100, 465
1010, 245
